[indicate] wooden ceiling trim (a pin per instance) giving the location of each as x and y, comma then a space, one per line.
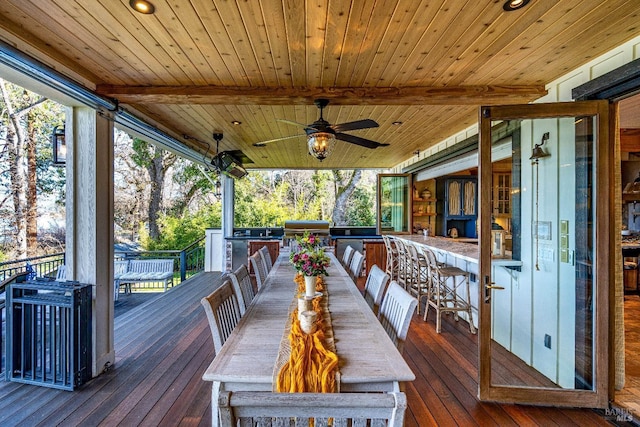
258, 41
238, 33
472, 25
444, 30
316, 43
379, 24
115, 26
459, 95
520, 51
194, 122
393, 48
13, 35
277, 43
360, 20
219, 46
501, 32
164, 30
190, 34
295, 20
548, 38
104, 34
588, 44
413, 51
275, 152
336, 41
56, 49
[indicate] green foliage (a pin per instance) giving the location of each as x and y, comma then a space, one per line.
142, 154
361, 208
179, 232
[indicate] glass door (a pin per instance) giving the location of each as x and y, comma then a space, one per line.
394, 203
544, 299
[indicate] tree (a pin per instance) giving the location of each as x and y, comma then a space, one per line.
25, 122
344, 184
157, 162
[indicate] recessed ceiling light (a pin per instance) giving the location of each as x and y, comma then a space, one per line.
396, 123
236, 122
142, 6
511, 5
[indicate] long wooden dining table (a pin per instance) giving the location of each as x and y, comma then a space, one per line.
368, 359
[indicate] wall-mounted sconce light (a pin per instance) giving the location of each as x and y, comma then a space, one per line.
59, 146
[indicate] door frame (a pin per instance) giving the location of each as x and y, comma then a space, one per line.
603, 264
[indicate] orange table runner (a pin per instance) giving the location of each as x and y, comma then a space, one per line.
308, 362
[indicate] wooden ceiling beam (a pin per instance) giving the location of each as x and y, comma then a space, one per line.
426, 95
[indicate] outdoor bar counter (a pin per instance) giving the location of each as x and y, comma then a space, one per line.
464, 254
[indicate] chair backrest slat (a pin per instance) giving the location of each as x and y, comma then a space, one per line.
395, 313
243, 287
356, 409
223, 312
355, 267
347, 255
258, 269
266, 258
375, 286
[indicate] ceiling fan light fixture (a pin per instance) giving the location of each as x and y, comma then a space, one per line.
142, 6
321, 144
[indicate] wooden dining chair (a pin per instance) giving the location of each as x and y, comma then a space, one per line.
243, 287
346, 256
279, 409
223, 312
395, 313
355, 268
266, 258
259, 269
375, 286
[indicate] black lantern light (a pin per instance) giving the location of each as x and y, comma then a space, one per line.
59, 146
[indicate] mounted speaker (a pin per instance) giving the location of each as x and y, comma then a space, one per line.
229, 165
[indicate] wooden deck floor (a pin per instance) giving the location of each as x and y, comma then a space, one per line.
164, 346
629, 396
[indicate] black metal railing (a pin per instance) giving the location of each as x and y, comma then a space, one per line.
37, 266
187, 262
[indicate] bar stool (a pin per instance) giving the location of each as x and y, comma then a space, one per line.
443, 295
403, 277
419, 280
392, 257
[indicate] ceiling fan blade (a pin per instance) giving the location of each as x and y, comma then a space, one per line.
289, 122
358, 124
263, 143
363, 142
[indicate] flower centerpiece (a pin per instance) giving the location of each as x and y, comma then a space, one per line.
310, 261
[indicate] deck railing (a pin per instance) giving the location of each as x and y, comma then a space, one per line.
187, 262
37, 266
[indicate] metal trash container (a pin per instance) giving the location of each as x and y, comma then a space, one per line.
49, 333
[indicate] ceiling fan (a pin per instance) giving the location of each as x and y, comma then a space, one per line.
321, 135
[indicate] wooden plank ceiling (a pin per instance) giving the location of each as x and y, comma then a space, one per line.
193, 67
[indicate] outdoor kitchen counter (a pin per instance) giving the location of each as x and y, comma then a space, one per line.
461, 248
464, 253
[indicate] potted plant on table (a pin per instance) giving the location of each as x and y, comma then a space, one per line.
310, 261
